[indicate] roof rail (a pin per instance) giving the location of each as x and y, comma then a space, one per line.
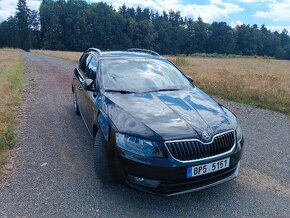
95, 50
143, 51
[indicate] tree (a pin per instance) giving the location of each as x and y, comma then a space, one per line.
200, 35
77, 25
34, 26
163, 29
189, 35
9, 34
221, 38
22, 15
285, 43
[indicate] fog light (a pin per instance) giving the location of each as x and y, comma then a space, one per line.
144, 182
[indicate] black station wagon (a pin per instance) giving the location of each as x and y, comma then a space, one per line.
153, 129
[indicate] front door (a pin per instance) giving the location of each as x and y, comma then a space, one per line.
89, 107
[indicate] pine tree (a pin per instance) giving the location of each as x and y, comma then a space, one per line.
22, 15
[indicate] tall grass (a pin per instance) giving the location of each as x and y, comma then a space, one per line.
260, 82
10, 95
180, 61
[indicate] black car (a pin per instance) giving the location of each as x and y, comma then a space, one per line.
154, 129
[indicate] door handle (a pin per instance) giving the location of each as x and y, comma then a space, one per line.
80, 88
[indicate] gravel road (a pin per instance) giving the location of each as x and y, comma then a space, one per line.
53, 172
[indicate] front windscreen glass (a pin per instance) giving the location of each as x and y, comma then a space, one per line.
141, 75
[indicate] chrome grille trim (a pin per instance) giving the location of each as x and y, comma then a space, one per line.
198, 147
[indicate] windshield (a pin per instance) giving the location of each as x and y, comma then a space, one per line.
141, 75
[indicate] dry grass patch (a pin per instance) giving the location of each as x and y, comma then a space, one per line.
255, 81
10, 88
71, 56
260, 82
4, 154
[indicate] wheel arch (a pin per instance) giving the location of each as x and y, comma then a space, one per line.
108, 133
103, 125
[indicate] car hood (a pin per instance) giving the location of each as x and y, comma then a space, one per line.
169, 115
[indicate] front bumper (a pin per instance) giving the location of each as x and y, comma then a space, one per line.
169, 176
192, 186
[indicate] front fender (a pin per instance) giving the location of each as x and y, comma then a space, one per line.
104, 126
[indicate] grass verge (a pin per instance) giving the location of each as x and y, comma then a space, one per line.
11, 85
67, 55
259, 81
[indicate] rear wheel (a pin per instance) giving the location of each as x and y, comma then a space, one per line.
75, 104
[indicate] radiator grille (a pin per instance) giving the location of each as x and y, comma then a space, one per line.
193, 149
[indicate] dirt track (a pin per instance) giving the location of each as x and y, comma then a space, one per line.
53, 168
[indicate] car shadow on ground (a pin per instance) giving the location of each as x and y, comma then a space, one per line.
216, 201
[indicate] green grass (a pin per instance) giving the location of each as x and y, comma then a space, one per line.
11, 86
8, 134
180, 61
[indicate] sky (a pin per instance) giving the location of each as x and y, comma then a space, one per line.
275, 14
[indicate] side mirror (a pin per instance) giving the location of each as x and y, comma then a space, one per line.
88, 85
189, 78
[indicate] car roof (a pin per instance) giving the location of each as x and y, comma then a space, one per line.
127, 54
130, 53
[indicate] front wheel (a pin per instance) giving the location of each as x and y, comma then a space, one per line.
100, 158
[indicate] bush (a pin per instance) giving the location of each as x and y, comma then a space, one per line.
180, 61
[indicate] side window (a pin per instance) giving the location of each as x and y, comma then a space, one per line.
91, 70
84, 62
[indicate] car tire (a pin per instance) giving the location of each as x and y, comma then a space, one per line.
75, 104
100, 159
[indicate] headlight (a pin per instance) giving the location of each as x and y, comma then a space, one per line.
239, 133
138, 146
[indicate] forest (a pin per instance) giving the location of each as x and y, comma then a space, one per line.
75, 25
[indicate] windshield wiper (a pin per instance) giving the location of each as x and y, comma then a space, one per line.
161, 90
119, 91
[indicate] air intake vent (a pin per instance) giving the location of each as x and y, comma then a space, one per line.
194, 149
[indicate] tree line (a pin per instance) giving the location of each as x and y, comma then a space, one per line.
76, 25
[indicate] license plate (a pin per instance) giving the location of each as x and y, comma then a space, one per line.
207, 168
